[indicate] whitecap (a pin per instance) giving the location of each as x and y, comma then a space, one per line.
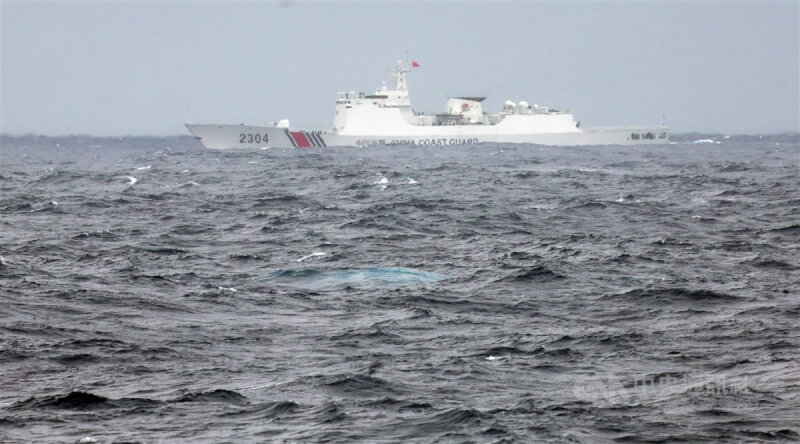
2, 260
314, 254
383, 180
364, 278
131, 180
231, 289
144, 168
412, 181
706, 141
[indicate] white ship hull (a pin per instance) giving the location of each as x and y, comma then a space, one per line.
244, 136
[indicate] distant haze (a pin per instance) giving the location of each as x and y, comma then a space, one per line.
146, 68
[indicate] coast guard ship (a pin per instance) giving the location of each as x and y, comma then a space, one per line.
387, 118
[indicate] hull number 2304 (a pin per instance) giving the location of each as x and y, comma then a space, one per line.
253, 138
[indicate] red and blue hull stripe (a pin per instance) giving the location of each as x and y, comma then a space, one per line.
304, 139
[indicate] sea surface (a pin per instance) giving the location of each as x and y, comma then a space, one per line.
155, 291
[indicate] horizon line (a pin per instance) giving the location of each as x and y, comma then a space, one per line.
153, 136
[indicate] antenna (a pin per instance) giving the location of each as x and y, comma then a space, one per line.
399, 74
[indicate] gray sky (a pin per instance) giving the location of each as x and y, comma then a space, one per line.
132, 68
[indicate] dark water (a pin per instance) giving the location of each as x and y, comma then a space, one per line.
485, 294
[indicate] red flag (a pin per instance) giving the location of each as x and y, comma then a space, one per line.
414, 64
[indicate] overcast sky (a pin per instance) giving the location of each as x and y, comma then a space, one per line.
139, 68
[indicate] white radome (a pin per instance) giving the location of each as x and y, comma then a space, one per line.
386, 117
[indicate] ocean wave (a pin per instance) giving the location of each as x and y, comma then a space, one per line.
218, 395
267, 410
466, 307
788, 229
771, 264
382, 277
442, 424
83, 401
360, 385
400, 405
671, 295
539, 273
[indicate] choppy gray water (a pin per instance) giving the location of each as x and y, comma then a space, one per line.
155, 291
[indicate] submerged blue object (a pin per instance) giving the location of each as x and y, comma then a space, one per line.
383, 277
